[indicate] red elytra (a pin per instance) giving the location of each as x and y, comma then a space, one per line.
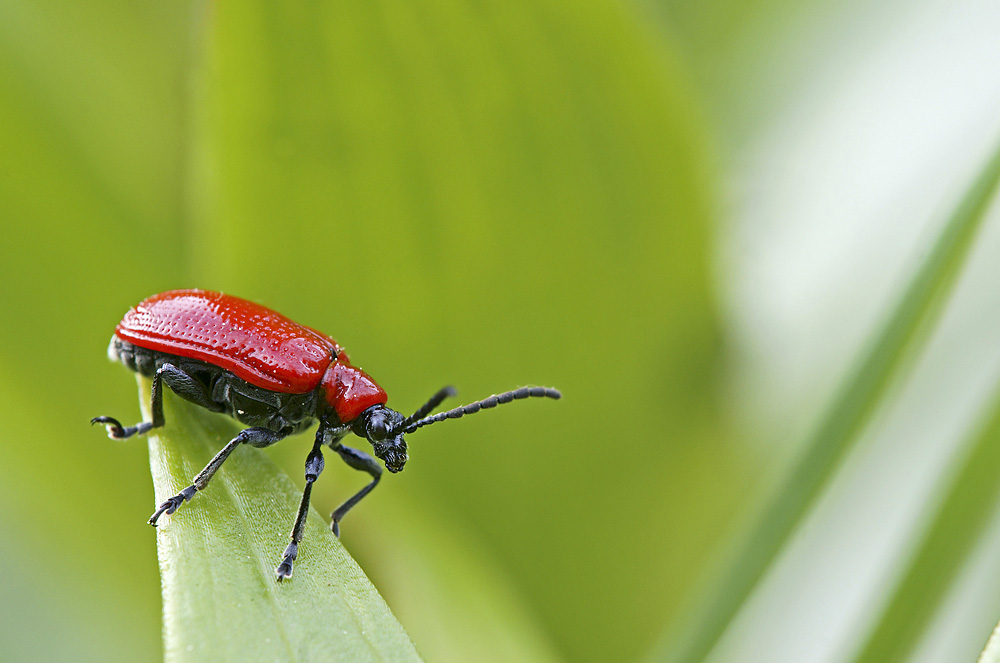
256, 344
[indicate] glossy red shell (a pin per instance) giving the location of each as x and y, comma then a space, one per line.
257, 344
253, 342
350, 391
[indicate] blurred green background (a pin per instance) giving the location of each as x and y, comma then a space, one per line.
689, 217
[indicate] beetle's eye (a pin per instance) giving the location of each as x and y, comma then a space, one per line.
377, 430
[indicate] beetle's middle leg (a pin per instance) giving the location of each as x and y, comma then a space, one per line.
255, 437
314, 466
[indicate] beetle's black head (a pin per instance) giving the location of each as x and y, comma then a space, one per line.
379, 425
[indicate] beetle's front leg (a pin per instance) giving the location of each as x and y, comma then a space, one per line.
255, 437
359, 460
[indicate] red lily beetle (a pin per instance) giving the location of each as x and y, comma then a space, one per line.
274, 375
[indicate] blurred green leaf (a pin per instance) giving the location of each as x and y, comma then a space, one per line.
65, 544
456, 602
963, 514
477, 194
221, 600
991, 652
487, 196
859, 394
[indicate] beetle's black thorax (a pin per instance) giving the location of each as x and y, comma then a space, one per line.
220, 390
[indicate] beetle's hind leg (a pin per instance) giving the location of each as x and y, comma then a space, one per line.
255, 437
118, 432
182, 384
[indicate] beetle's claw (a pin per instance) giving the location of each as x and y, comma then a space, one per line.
167, 507
115, 429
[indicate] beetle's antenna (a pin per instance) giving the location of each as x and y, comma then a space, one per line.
426, 408
472, 408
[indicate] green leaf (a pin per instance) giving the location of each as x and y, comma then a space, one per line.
966, 507
991, 653
829, 442
221, 600
457, 602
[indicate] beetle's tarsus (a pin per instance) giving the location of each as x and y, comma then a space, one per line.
113, 426
335, 526
284, 569
172, 504
118, 432
159, 512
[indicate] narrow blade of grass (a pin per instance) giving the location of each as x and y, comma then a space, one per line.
850, 408
991, 653
221, 601
963, 515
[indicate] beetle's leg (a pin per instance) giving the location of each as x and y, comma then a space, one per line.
314, 465
117, 432
256, 437
182, 384
359, 461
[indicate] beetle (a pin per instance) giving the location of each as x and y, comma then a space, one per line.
277, 377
